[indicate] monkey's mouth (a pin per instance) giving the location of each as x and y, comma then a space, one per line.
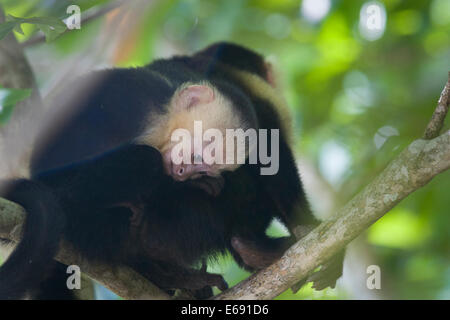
211, 185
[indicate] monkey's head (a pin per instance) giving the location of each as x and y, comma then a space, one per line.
192, 135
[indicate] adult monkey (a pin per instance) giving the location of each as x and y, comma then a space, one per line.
104, 180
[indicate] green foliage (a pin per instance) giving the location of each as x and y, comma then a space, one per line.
50, 26
6, 28
400, 229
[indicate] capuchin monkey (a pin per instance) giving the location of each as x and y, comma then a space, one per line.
104, 178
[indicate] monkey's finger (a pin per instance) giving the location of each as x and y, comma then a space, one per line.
324, 278
204, 266
204, 293
216, 280
324, 283
222, 286
299, 285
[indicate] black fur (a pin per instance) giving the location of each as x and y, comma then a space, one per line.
94, 187
41, 232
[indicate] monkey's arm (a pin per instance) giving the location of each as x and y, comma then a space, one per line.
119, 175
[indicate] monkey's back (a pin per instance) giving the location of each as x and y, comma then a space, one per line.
97, 113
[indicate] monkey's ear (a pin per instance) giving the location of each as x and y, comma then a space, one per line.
194, 95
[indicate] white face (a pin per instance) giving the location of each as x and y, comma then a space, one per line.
194, 169
191, 104
196, 172
199, 117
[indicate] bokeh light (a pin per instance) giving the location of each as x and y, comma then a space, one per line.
440, 12
334, 162
315, 10
383, 135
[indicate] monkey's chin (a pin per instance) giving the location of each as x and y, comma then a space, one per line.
211, 185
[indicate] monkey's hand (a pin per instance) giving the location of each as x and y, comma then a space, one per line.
328, 273
326, 276
170, 276
211, 185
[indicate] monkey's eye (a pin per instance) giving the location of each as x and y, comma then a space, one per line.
198, 158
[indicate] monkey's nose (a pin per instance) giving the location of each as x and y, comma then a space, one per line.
181, 172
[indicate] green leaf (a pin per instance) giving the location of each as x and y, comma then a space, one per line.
11, 18
6, 28
52, 27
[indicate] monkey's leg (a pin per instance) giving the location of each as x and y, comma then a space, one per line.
259, 252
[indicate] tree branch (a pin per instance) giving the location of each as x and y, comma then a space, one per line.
437, 120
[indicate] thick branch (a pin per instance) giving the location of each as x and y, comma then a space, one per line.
123, 281
412, 169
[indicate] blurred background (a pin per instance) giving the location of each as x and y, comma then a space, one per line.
362, 79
